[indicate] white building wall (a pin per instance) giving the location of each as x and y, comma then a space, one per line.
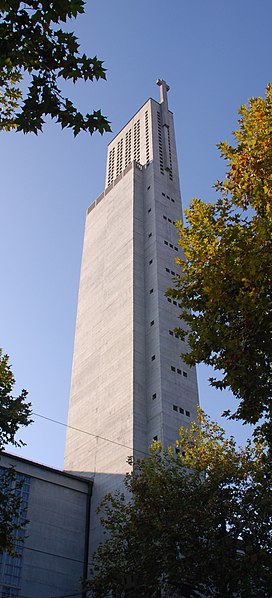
54, 552
107, 398
133, 143
102, 382
124, 390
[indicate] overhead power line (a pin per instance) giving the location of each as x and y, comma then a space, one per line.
58, 556
55, 421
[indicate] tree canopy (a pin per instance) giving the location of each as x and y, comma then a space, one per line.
14, 413
36, 55
193, 524
225, 286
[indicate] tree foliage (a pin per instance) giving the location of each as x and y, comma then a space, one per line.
225, 285
12, 513
35, 52
193, 524
14, 412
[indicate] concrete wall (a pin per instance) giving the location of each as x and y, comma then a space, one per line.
102, 381
124, 392
163, 208
54, 549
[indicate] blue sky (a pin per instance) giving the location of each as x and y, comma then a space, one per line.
214, 55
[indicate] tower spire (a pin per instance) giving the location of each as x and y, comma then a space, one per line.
164, 88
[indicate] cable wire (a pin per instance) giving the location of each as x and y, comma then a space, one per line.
89, 433
58, 556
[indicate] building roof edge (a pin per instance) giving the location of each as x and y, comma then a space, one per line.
46, 467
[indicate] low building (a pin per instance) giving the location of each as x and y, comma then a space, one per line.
54, 554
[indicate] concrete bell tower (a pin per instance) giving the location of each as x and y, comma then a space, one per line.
129, 385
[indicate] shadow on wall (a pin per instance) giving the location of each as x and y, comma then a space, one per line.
103, 483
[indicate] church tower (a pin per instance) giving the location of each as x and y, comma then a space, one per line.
129, 385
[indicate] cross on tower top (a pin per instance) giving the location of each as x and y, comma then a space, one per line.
164, 88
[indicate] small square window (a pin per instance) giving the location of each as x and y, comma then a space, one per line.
165, 242
175, 408
151, 291
170, 245
169, 300
150, 262
152, 323
163, 194
153, 357
181, 410
176, 248
149, 210
173, 369
167, 196
188, 413
185, 374
148, 187
173, 273
172, 200
164, 217
174, 303
179, 371
169, 220
154, 396
171, 332
155, 438
174, 222
167, 270
177, 449
150, 235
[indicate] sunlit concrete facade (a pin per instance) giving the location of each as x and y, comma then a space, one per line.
129, 384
